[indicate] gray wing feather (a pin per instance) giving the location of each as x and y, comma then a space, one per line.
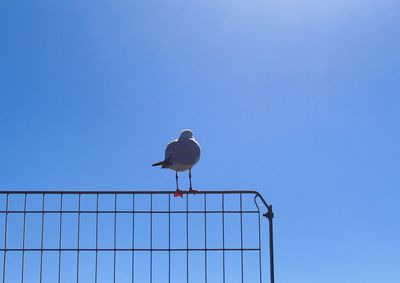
170, 150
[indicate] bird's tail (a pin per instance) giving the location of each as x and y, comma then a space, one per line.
163, 164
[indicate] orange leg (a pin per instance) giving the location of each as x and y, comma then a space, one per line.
178, 192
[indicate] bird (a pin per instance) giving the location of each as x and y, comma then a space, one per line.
181, 155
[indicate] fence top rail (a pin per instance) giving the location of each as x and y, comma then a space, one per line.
253, 192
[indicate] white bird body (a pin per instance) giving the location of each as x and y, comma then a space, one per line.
181, 155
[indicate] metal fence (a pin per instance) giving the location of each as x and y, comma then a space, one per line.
213, 236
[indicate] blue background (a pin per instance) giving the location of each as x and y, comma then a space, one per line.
297, 99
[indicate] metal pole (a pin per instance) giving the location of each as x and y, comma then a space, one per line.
270, 216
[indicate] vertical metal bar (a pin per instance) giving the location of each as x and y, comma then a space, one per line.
79, 234
205, 239
133, 237
151, 238
187, 238
241, 236
259, 244
23, 243
169, 238
60, 238
270, 216
97, 236
115, 233
42, 240
223, 237
5, 241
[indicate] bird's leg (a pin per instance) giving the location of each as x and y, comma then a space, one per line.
178, 192
190, 181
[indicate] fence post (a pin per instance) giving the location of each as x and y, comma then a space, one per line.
270, 216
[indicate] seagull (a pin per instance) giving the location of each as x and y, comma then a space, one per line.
181, 155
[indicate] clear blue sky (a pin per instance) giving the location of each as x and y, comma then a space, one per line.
298, 99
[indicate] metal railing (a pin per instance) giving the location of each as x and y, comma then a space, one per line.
141, 236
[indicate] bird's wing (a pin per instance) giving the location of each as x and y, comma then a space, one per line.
170, 150
197, 150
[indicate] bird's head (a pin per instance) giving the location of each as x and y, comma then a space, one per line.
186, 134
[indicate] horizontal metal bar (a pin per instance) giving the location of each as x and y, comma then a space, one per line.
200, 192
208, 192
125, 212
128, 250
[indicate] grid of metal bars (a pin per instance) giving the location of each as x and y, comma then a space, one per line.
205, 217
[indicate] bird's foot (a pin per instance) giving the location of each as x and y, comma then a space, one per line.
178, 193
192, 191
